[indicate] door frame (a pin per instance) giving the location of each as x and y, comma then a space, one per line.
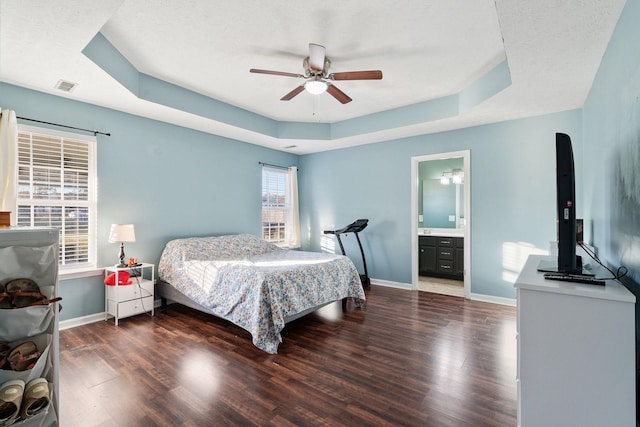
415, 161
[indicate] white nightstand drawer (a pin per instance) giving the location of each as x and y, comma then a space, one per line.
132, 291
130, 308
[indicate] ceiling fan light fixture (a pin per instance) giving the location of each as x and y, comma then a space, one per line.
316, 87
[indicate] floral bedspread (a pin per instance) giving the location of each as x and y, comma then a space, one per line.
254, 283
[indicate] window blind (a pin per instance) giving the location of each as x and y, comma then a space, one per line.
274, 208
56, 175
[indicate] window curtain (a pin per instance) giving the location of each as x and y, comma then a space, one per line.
292, 230
8, 143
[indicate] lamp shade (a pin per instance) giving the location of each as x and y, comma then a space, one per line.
122, 233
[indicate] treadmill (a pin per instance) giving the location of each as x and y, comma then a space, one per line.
355, 227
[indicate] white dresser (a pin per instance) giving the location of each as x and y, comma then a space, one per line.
576, 352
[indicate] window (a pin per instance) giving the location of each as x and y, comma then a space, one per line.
56, 188
280, 222
274, 183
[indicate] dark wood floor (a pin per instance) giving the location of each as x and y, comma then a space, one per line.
408, 358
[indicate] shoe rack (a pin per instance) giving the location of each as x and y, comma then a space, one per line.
33, 253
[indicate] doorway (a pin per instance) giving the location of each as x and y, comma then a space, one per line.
461, 220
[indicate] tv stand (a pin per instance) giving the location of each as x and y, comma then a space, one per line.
551, 266
576, 352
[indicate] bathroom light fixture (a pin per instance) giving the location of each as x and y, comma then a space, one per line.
458, 177
122, 233
444, 179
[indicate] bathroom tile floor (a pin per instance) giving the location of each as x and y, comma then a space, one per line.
441, 286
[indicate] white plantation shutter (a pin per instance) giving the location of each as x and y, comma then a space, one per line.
280, 219
56, 188
274, 186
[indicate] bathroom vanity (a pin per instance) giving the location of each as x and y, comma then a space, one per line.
441, 256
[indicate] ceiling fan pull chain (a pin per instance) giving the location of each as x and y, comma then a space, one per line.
315, 108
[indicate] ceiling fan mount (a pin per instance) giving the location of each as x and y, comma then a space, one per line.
310, 72
318, 79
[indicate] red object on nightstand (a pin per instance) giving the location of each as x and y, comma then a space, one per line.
123, 279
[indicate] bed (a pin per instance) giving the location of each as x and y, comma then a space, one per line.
253, 283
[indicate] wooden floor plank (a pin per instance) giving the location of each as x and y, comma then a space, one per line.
406, 358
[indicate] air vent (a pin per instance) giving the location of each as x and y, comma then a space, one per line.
65, 86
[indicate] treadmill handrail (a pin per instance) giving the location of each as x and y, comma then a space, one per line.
355, 227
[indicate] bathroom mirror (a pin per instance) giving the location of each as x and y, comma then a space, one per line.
441, 193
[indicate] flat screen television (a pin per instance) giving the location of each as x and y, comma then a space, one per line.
567, 262
566, 206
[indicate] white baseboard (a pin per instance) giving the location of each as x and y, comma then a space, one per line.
79, 321
96, 317
474, 297
494, 300
391, 284
91, 318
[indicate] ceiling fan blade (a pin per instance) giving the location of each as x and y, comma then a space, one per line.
316, 56
338, 94
293, 93
357, 75
275, 73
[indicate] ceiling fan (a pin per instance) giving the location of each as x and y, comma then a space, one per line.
317, 76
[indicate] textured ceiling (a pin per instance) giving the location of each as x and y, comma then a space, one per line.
427, 51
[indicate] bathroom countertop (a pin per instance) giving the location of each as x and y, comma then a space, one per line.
440, 233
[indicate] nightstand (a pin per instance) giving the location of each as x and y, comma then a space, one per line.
128, 300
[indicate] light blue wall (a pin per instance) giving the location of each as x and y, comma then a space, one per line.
172, 182
612, 148
612, 157
512, 196
167, 180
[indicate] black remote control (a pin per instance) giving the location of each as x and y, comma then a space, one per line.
574, 278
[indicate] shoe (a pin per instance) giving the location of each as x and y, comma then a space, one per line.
4, 352
28, 299
22, 285
24, 356
10, 400
36, 398
5, 298
19, 293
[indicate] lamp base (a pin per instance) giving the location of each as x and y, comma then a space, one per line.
121, 256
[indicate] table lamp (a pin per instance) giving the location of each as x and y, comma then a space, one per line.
122, 233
